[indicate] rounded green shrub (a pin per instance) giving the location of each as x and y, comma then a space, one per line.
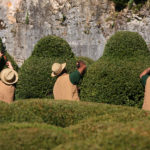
114, 78
35, 79
52, 46
125, 44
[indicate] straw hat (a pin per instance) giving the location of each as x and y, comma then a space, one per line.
9, 76
57, 69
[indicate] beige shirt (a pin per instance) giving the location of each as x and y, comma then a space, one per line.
6, 92
64, 89
146, 103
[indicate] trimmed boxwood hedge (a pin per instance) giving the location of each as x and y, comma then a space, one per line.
125, 44
114, 82
88, 126
114, 78
35, 79
32, 136
64, 113
52, 46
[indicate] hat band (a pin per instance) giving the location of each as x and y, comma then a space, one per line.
10, 80
9, 77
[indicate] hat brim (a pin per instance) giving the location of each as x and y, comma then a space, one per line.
63, 67
3, 79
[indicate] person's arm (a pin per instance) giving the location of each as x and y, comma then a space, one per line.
146, 71
81, 66
8, 63
1, 54
76, 75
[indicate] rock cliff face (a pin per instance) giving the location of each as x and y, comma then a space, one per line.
85, 24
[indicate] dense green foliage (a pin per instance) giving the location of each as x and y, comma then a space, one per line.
114, 78
61, 113
35, 79
52, 46
25, 136
11, 59
126, 44
88, 126
121, 4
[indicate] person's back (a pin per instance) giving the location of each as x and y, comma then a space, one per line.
8, 78
6, 92
64, 89
145, 79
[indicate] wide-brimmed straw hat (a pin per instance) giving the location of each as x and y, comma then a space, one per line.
9, 76
57, 69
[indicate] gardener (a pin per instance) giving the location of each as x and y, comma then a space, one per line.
145, 78
65, 87
8, 77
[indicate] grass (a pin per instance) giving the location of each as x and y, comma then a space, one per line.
63, 125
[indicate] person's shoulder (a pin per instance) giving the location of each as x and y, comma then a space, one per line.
75, 77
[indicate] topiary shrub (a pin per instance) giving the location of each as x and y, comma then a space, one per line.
125, 44
52, 46
114, 78
35, 79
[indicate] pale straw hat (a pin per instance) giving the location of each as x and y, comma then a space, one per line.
9, 76
57, 69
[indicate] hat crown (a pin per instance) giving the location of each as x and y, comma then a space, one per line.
9, 75
56, 67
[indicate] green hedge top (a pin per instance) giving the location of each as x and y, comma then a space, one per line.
125, 44
52, 46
